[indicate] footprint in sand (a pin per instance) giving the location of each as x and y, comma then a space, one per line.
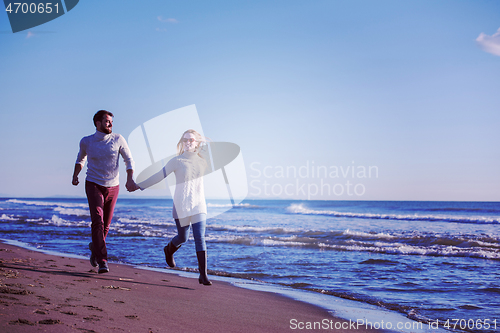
91, 307
69, 299
93, 318
6, 290
9, 274
132, 317
50, 321
9, 297
22, 322
70, 313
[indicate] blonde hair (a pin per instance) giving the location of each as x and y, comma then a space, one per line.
199, 140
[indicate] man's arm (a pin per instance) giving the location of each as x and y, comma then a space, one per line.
80, 162
131, 186
78, 168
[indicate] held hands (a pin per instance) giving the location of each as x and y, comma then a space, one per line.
131, 186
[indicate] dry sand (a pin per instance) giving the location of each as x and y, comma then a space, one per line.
45, 293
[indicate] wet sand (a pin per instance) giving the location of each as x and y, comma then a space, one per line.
45, 293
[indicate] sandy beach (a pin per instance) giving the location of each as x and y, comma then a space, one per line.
45, 293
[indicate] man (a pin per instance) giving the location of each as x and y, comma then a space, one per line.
102, 183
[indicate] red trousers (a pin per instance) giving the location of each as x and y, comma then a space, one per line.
102, 202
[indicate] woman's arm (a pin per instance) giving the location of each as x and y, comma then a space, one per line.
159, 176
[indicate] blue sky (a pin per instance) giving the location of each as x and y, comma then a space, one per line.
403, 86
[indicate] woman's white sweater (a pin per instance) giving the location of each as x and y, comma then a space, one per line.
189, 169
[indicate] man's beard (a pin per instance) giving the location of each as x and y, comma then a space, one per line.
106, 130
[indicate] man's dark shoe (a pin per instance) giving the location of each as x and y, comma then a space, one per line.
103, 267
93, 261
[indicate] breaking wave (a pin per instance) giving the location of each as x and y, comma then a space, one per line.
300, 209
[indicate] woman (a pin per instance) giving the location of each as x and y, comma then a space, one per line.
189, 199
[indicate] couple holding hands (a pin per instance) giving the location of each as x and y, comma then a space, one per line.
103, 149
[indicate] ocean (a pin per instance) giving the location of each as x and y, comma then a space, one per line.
427, 261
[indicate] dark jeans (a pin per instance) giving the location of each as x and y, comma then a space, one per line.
198, 234
102, 202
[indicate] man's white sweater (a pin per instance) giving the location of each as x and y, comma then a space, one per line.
103, 151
